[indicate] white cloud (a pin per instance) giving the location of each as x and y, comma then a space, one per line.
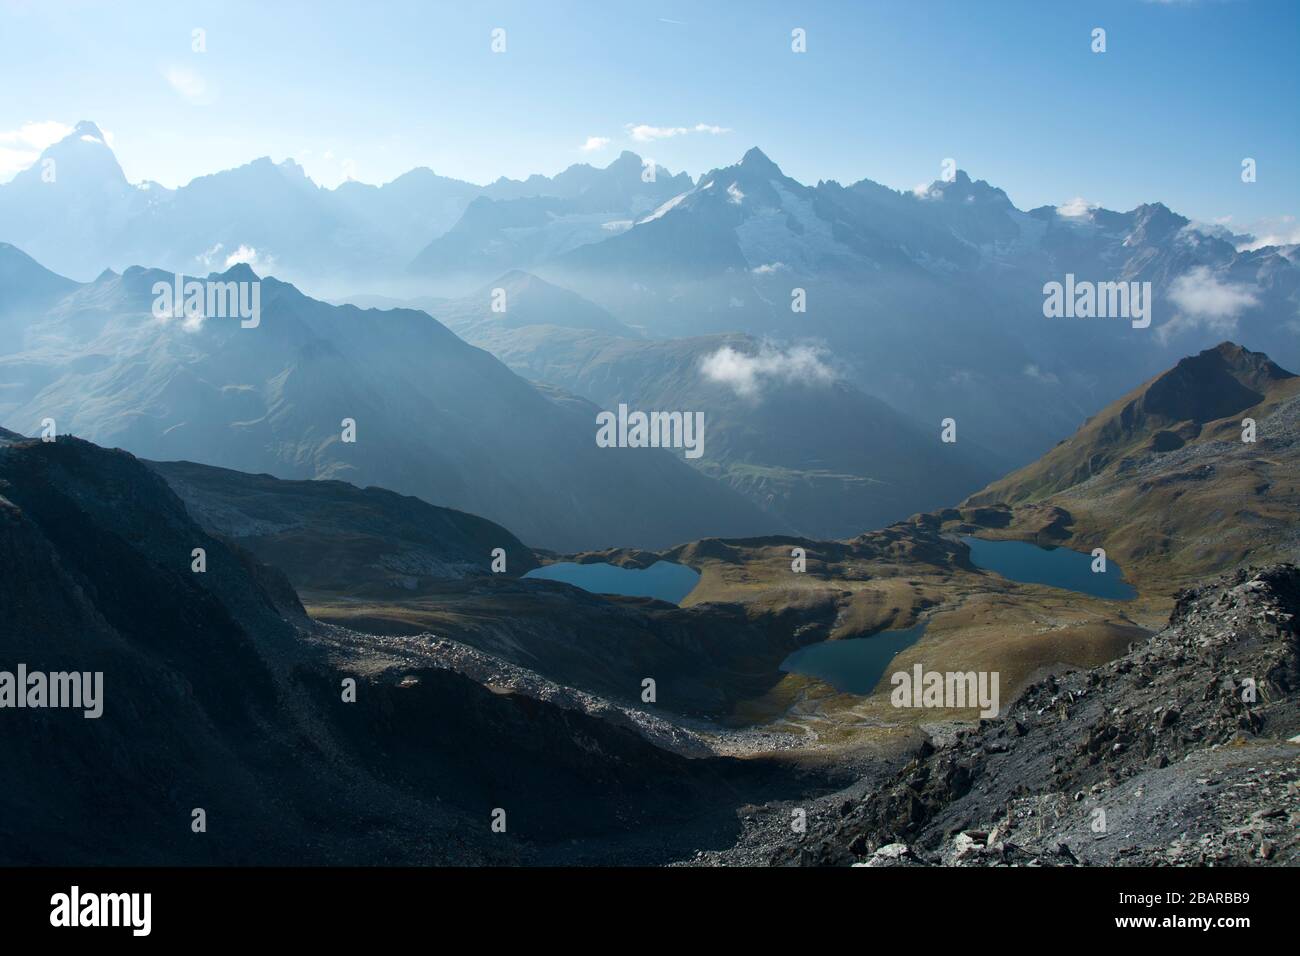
13, 161
1203, 300
209, 258
1038, 375
768, 268
36, 135
594, 143
1192, 233
21, 147
261, 264
1076, 208
189, 83
746, 374
644, 133
1276, 231
214, 258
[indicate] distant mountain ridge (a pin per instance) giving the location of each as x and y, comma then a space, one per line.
75, 210
434, 417
932, 298
813, 451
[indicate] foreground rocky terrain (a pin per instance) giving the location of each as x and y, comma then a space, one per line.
1184, 751
221, 695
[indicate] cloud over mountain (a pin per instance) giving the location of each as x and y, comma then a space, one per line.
747, 374
1206, 301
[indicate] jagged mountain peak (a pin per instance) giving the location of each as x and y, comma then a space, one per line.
88, 128
965, 189
83, 158
627, 159
755, 158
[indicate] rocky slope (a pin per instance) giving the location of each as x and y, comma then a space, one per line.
330, 535
219, 694
1183, 751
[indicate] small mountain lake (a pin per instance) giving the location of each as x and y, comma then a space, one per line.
663, 580
855, 665
1055, 567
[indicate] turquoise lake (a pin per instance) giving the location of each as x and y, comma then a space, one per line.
1055, 567
663, 579
856, 665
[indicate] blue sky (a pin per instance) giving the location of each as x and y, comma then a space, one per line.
887, 91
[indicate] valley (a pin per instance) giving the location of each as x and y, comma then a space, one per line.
479, 686
621, 509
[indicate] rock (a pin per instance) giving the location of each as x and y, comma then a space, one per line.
964, 846
1062, 849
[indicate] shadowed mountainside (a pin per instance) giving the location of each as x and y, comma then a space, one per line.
330, 535
219, 694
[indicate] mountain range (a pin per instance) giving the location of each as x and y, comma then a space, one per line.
786, 430
76, 211
931, 300
433, 416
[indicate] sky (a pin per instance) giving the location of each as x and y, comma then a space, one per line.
1185, 90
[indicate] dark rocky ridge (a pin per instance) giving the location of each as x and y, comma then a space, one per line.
334, 535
